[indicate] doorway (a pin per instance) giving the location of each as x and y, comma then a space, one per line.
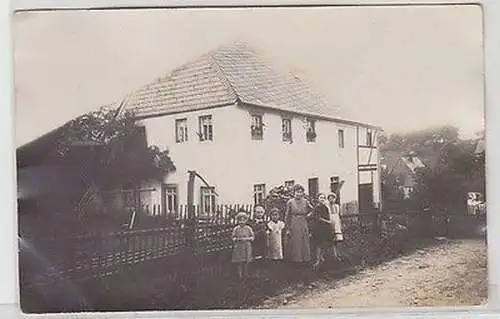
366, 197
313, 187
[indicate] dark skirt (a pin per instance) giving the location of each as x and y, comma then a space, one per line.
321, 235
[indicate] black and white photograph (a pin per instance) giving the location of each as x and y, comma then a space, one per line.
328, 157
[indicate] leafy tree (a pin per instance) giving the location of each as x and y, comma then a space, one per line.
445, 186
115, 150
434, 137
391, 192
452, 169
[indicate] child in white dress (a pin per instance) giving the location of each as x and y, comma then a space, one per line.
274, 242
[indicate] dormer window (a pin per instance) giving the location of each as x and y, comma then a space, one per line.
310, 130
257, 128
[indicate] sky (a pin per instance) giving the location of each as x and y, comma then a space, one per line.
403, 68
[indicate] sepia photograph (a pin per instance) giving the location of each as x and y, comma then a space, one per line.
328, 157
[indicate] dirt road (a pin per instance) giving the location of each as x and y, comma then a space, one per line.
451, 274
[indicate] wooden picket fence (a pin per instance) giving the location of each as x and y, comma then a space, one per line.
184, 251
218, 212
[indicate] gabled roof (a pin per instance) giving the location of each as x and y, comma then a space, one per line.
403, 162
413, 162
224, 76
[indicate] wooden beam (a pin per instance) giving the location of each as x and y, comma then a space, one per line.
128, 190
368, 165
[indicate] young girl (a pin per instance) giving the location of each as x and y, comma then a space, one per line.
336, 222
242, 249
259, 228
275, 228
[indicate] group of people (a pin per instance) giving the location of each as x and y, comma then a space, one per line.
304, 227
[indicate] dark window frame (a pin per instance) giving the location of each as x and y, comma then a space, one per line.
256, 192
286, 136
206, 130
257, 127
213, 201
311, 132
184, 137
341, 138
164, 198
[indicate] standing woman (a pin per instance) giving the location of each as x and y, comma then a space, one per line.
336, 222
298, 246
322, 232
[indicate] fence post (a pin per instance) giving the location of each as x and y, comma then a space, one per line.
190, 233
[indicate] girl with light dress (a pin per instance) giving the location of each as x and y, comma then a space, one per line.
243, 236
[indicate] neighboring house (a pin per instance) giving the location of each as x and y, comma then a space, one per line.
480, 146
246, 127
63, 186
404, 165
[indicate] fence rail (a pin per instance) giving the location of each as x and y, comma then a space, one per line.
188, 250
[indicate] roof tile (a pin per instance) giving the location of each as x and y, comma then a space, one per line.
222, 77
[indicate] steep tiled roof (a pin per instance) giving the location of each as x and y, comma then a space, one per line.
224, 76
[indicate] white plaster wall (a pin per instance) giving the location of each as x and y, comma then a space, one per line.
233, 162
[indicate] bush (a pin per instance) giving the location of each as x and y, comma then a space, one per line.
279, 196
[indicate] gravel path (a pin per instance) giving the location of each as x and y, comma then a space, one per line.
451, 274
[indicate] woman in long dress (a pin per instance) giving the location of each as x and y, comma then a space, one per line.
336, 222
298, 248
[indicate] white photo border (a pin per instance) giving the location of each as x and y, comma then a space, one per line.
9, 304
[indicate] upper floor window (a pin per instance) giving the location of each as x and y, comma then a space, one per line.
181, 134
257, 127
310, 130
259, 193
206, 128
287, 130
369, 138
341, 138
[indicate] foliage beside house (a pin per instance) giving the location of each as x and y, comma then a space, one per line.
93, 164
451, 169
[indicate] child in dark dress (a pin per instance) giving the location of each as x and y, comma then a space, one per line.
259, 227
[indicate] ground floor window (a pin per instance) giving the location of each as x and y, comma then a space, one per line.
289, 183
169, 198
207, 200
335, 187
259, 193
313, 187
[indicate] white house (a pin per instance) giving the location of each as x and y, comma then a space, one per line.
243, 126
